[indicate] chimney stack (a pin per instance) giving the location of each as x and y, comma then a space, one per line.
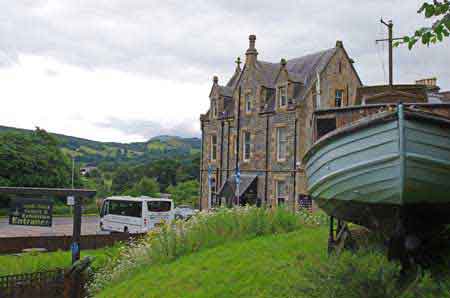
430, 83
251, 53
215, 80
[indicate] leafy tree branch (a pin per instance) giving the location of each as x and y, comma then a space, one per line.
439, 10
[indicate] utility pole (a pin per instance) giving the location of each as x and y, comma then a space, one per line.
390, 39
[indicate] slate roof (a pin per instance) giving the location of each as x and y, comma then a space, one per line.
232, 82
301, 70
226, 91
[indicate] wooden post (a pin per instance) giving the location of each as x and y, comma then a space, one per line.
76, 236
75, 247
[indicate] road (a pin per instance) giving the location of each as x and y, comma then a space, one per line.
61, 226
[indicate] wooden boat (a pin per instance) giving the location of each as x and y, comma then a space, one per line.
389, 171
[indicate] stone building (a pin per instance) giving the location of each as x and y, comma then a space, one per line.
270, 107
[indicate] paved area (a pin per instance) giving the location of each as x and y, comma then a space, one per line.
61, 226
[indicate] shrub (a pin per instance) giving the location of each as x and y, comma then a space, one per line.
203, 231
367, 274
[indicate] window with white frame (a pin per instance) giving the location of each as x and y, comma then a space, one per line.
213, 147
246, 145
248, 102
281, 191
281, 143
282, 96
338, 98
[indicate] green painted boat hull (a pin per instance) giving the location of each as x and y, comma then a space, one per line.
391, 166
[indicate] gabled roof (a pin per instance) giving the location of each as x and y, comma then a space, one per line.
226, 91
232, 82
301, 70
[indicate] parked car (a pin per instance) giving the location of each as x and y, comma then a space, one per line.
184, 212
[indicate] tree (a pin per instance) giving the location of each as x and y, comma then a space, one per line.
185, 193
34, 160
145, 187
439, 10
123, 179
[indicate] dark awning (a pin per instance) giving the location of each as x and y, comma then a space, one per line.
228, 189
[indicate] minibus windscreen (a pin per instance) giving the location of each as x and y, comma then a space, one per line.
159, 206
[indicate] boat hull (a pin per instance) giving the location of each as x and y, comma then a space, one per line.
394, 166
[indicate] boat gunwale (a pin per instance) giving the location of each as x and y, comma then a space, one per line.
379, 160
368, 121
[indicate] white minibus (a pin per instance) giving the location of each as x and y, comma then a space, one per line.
134, 215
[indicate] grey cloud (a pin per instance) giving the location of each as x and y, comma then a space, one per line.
148, 129
192, 40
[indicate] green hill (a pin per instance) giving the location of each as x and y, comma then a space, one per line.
94, 152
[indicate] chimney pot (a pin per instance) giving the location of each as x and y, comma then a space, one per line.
215, 79
339, 44
283, 62
252, 40
251, 52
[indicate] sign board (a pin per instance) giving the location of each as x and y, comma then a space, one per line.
75, 248
70, 200
31, 212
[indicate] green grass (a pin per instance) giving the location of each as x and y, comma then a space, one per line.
34, 261
267, 266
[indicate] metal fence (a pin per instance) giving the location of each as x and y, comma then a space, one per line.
54, 243
46, 284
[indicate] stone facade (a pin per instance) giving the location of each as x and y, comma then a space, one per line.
277, 101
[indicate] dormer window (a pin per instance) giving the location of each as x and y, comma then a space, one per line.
282, 96
248, 102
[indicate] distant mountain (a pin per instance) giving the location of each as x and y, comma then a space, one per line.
94, 152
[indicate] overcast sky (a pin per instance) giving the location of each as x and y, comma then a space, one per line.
127, 70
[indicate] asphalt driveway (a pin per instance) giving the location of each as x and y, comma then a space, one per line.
61, 226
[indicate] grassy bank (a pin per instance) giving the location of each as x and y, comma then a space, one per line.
32, 262
260, 253
267, 266
205, 231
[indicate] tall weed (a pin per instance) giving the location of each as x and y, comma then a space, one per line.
367, 273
